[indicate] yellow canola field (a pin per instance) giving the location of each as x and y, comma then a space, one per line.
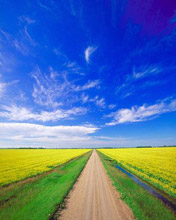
17, 164
154, 165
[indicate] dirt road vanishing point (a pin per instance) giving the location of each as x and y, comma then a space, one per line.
94, 197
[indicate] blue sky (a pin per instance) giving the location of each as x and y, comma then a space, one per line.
79, 73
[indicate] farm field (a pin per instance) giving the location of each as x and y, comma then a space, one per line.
43, 194
154, 165
16, 165
143, 204
92, 196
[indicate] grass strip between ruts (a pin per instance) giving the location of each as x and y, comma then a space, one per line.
144, 205
37, 198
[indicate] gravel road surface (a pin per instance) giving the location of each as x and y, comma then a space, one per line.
93, 197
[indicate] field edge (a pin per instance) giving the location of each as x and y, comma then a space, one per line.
142, 203
48, 192
62, 204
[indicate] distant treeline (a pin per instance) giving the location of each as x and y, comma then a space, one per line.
134, 147
32, 148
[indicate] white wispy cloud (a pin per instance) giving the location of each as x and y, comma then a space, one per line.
88, 52
142, 113
138, 73
33, 135
84, 98
21, 47
25, 134
74, 8
88, 85
53, 86
28, 36
145, 71
15, 113
71, 67
111, 106
20, 43
46, 88
26, 19
43, 5
100, 102
5, 34
24, 42
4, 86
7, 60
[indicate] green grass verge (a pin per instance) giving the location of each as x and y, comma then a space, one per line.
38, 198
142, 203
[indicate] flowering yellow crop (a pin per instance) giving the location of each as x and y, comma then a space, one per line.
155, 165
18, 164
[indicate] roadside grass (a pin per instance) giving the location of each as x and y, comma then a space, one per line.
144, 205
39, 197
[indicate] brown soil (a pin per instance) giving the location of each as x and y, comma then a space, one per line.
94, 197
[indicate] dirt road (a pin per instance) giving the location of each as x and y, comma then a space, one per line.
93, 196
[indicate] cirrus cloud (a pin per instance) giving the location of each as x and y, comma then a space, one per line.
90, 84
141, 113
16, 113
88, 52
